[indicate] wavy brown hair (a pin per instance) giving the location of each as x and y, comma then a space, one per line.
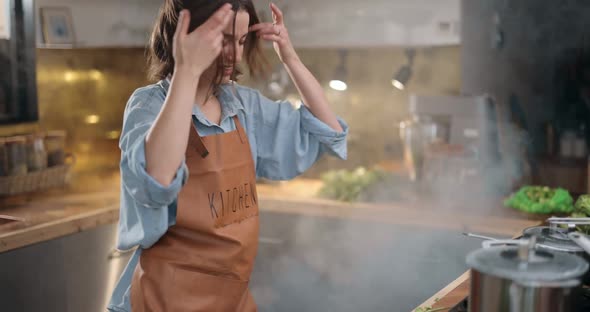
159, 53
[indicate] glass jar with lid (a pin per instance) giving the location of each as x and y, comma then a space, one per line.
36, 154
55, 142
16, 155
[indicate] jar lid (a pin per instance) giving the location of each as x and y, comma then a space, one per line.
540, 265
15, 140
553, 239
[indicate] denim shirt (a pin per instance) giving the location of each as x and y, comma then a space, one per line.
284, 141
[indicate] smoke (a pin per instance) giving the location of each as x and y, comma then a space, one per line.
359, 262
314, 263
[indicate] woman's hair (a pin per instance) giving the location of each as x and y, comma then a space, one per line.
159, 54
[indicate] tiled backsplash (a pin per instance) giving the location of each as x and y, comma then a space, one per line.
84, 91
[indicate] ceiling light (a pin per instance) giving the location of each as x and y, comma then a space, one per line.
338, 85
404, 74
402, 77
338, 81
279, 81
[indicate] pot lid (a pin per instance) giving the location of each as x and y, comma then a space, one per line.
539, 265
553, 239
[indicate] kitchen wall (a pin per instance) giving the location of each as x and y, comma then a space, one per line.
84, 91
371, 106
526, 49
534, 55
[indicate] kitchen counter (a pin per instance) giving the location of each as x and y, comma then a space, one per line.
89, 201
92, 200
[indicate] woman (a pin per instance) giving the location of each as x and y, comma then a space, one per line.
197, 235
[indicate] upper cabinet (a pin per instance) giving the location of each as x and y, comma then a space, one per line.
91, 23
18, 88
369, 23
311, 23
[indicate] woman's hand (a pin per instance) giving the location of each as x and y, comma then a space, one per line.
278, 34
195, 52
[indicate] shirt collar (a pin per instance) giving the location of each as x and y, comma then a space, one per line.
228, 97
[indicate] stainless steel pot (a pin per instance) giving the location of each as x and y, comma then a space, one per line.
555, 238
513, 276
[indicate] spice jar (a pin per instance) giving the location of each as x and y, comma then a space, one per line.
16, 155
3, 160
36, 154
55, 142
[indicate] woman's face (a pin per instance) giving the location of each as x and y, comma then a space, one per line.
231, 42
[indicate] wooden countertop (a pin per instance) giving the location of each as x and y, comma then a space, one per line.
89, 201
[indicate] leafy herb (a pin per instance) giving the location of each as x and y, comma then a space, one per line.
541, 199
347, 185
430, 309
582, 210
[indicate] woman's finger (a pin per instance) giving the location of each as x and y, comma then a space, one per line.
182, 24
220, 19
260, 26
277, 14
270, 31
275, 38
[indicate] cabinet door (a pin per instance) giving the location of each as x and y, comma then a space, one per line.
74, 273
33, 279
88, 275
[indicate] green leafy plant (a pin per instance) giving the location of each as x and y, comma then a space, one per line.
582, 210
430, 309
541, 199
347, 185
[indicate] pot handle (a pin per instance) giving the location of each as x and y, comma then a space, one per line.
571, 223
525, 246
501, 242
580, 239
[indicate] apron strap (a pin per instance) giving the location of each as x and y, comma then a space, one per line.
240, 129
196, 140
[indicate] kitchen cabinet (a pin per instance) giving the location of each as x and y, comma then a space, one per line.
18, 89
377, 23
107, 23
74, 273
312, 24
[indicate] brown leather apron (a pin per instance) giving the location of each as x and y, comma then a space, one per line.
204, 261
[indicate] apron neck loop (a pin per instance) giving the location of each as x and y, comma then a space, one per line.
240, 129
197, 141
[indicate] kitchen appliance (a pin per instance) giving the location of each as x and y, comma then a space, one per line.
513, 275
417, 134
469, 120
451, 140
18, 81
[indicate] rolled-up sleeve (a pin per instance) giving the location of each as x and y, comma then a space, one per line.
144, 214
290, 140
